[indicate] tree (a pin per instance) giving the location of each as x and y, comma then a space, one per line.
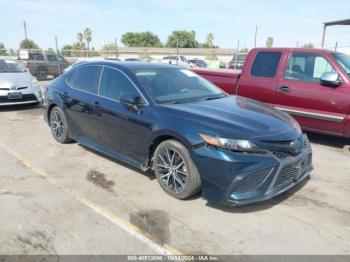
80, 38
109, 49
182, 39
269, 41
67, 50
87, 35
244, 50
2, 49
308, 45
141, 39
28, 44
210, 40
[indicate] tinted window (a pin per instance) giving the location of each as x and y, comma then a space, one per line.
343, 60
265, 64
51, 57
36, 56
115, 84
307, 67
87, 78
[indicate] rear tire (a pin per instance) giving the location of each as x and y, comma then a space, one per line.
175, 170
59, 126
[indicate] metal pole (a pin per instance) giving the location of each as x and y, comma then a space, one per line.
236, 56
25, 30
58, 60
323, 35
256, 35
336, 46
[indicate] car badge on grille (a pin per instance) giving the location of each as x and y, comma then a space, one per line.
13, 88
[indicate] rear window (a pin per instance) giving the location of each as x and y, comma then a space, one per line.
36, 56
265, 64
86, 79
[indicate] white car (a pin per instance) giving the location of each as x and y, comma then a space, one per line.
176, 60
17, 86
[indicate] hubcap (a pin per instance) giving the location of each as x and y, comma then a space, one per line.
57, 124
172, 170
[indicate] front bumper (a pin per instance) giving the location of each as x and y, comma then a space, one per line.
30, 95
232, 178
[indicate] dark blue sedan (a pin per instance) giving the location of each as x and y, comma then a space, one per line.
190, 133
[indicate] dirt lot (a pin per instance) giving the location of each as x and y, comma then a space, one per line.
66, 199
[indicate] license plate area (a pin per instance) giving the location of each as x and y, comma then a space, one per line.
15, 95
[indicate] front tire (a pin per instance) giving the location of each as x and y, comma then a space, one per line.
59, 126
176, 172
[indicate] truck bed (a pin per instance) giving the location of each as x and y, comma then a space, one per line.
224, 78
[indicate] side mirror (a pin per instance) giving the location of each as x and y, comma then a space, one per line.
134, 102
331, 79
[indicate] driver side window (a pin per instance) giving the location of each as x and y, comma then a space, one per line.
115, 84
307, 67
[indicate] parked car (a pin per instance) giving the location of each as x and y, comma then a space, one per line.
189, 132
176, 60
310, 84
237, 61
133, 59
197, 63
42, 64
17, 86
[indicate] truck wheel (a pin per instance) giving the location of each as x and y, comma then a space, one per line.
176, 172
42, 74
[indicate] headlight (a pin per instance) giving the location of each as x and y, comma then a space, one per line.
240, 145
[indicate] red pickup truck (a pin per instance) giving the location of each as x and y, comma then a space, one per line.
310, 84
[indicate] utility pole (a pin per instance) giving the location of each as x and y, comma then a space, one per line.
236, 56
58, 59
256, 35
336, 46
25, 29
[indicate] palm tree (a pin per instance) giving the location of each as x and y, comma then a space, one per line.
88, 36
210, 40
80, 38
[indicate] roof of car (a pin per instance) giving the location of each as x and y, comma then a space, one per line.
131, 65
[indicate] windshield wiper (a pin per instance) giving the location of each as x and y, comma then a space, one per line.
213, 97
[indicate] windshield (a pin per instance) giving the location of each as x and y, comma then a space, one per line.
343, 60
173, 85
9, 66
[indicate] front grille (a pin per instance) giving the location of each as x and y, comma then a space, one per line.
4, 89
252, 181
287, 174
25, 98
21, 88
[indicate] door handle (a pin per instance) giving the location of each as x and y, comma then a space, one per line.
284, 89
97, 104
65, 95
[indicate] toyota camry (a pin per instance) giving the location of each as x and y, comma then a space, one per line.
190, 133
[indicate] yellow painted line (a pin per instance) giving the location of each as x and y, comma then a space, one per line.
123, 224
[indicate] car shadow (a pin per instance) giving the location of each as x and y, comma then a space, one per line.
326, 140
149, 174
261, 206
14, 108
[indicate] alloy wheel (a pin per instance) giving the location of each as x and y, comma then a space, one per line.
172, 170
57, 125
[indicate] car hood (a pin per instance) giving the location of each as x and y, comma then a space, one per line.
239, 117
15, 79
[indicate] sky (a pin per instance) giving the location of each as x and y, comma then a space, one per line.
288, 22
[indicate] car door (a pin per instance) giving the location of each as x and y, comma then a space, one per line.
300, 93
259, 82
79, 101
123, 129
